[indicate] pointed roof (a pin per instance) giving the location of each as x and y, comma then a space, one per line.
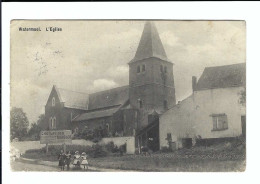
150, 44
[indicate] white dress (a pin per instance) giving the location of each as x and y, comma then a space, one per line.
76, 159
84, 160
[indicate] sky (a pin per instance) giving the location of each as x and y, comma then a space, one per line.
90, 56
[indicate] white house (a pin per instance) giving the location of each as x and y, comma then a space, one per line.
212, 111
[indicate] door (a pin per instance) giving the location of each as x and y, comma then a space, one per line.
243, 124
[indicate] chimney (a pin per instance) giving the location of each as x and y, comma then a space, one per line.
194, 83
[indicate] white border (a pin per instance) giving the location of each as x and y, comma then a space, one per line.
153, 10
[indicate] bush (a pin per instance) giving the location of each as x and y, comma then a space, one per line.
98, 151
165, 149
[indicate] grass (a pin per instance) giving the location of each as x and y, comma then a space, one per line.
228, 156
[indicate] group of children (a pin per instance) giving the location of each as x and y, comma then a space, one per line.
77, 160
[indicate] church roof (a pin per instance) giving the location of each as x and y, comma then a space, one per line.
108, 98
150, 44
100, 113
222, 77
73, 99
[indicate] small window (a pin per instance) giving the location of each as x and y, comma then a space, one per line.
140, 103
219, 122
161, 68
165, 69
54, 123
165, 104
143, 68
138, 69
53, 101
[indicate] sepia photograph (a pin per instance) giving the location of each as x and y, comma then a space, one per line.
128, 95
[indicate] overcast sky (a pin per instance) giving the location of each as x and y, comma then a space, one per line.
90, 56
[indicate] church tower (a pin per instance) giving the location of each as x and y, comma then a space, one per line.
151, 82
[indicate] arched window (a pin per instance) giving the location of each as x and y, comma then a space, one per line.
54, 123
143, 68
53, 101
140, 103
138, 69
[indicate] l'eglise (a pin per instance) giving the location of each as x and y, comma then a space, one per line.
53, 29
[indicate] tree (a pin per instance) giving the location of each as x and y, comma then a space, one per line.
36, 127
41, 122
242, 98
19, 123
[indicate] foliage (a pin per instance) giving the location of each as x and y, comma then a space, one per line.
242, 98
111, 147
165, 149
19, 123
94, 135
35, 129
98, 151
93, 151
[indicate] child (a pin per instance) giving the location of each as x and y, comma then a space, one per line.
68, 159
84, 161
61, 160
76, 161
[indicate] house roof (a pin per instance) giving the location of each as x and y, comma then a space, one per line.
108, 98
100, 113
150, 44
73, 99
222, 77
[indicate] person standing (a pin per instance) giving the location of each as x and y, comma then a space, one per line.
84, 161
68, 160
61, 159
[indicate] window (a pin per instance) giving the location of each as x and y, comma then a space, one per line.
53, 102
165, 104
219, 122
161, 68
143, 68
54, 123
138, 69
140, 103
165, 69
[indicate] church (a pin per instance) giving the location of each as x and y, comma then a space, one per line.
131, 110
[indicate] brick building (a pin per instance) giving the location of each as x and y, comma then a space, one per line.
126, 111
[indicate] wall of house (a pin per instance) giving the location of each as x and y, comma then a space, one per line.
53, 111
193, 116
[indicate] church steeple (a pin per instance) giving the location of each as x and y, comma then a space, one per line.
151, 82
150, 44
